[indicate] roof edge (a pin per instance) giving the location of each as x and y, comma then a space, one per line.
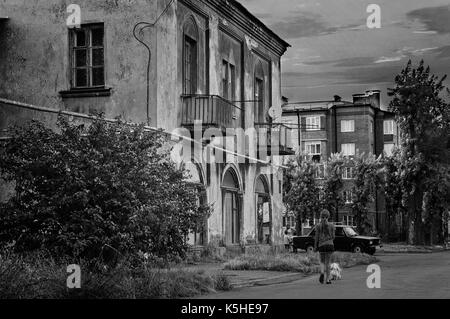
242, 8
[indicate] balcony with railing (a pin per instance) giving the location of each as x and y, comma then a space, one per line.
213, 111
275, 139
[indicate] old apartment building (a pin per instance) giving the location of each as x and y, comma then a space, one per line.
188, 63
322, 128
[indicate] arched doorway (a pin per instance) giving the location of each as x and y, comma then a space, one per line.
263, 211
231, 208
199, 237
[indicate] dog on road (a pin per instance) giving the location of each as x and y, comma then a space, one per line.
335, 271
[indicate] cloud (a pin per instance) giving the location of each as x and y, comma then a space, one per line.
372, 73
307, 24
389, 59
347, 62
405, 53
425, 32
436, 19
443, 52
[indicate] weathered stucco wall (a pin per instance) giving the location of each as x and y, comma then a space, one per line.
34, 64
34, 55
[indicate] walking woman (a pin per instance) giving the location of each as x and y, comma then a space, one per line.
324, 243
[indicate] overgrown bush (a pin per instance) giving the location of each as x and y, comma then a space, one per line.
38, 276
104, 190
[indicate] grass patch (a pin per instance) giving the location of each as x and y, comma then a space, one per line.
303, 263
40, 277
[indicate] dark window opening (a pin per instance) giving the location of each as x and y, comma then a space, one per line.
87, 57
190, 66
228, 81
259, 94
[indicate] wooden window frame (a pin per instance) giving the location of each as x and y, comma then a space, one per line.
309, 144
312, 121
348, 144
347, 129
193, 65
388, 127
89, 48
228, 81
348, 173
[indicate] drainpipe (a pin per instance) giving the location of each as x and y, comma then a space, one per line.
142, 26
299, 131
145, 25
336, 150
375, 151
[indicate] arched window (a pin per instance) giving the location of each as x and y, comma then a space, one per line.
190, 56
261, 186
259, 93
263, 211
231, 208
230, 180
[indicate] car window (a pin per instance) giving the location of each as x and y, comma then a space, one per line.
350, 232
312, 233
339, 232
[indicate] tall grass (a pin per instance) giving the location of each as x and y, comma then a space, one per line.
40, 277
294, 262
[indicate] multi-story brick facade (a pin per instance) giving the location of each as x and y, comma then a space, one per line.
206, 62
322, 128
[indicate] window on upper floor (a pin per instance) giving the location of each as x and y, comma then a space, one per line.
348, 196
347, 126
348, 173
260, 93
348, 149
389, 127
313, 148
228, 81
87, 56
313, 123
190, 57
319, 172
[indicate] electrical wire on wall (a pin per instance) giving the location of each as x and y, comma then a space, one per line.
142, 26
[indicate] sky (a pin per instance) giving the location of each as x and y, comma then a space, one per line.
335, 53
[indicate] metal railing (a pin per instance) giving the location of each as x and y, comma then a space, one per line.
211, 110
275, 135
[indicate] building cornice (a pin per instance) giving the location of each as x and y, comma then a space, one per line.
235, 12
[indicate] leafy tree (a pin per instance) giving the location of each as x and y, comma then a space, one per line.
333, 185
393, 194
88, 191
366, 182
436, 203
302, 191
424, 120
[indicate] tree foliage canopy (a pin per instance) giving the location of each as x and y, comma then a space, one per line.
87, 189
423, 162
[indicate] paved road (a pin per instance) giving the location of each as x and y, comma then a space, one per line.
404, 276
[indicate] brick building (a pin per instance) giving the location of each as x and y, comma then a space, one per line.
210, 63
322, 128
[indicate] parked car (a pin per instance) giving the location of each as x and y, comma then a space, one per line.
347, 239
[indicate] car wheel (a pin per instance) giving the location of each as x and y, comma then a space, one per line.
310, 249
357, 249
372, 251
